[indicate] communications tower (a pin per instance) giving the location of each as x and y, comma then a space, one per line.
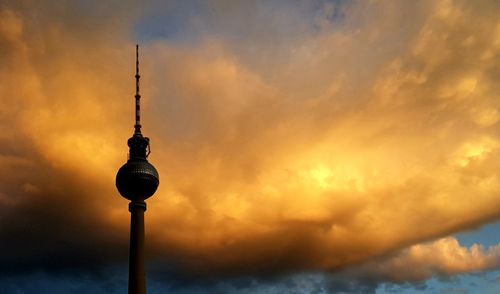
137, 180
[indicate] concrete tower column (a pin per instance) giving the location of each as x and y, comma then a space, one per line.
137, 278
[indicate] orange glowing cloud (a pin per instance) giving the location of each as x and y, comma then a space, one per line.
355, 141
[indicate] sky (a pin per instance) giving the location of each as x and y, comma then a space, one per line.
302, 146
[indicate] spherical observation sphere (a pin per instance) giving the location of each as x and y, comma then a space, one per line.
137, 180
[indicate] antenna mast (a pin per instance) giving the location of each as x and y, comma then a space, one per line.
137, 125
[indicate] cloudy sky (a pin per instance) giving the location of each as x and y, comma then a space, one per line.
303, 146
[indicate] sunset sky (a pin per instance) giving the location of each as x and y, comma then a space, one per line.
303, 146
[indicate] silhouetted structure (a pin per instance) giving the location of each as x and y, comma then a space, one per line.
137, 180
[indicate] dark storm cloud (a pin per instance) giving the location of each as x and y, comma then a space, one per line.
49, 222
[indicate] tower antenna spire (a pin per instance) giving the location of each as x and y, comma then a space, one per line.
137, 125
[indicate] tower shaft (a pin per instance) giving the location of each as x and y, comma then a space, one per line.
137, 278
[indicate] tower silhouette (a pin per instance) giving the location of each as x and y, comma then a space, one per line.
137, 180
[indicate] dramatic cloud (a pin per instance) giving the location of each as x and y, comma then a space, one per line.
442, 258
313, 136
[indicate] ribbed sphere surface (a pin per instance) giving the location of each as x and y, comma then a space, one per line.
137, 180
